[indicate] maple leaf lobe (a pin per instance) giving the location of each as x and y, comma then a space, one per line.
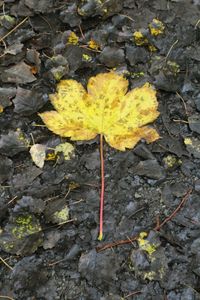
106, 108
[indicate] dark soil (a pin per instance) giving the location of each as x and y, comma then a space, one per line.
42, 255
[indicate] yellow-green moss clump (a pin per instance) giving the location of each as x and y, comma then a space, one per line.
171, 161
145, 245
61, 215
156, 27
25, 226
22, 235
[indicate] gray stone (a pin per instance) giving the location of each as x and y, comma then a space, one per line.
150, 168
194, 123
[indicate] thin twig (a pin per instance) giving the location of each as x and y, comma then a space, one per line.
55, 262
170, 49
5, 263
128, 17
12, 30
13, 199
117, 243
180, 121
81, 31
197, 23
90, 49
184, 104
132, 294
6, 297
156, 228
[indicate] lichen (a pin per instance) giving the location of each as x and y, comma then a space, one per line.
145, 244
156, 27
87, 57
93, 45
61, 215
172, 67
171, 161
187, 141
25, 226
140, 39
73, 39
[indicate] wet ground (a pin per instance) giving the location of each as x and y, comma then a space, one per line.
49, 216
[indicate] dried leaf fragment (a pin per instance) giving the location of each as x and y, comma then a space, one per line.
38, 154
106, 108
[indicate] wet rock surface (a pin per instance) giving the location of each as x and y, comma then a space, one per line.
49, 216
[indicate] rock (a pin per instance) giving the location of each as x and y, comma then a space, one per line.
70, 16
112, 56
195, 247
51, 239
28, 273
27, 102
42, 6
105, 8
168, 83
142, 151
151, 169
197, 101
73, 55
57, 211
193, 146
87, 263
92, 161
7, 21
187, 167
139, 260
21, 181
5, 168
22, 235
179, 189
150, 261
13, 143
73, 252
194, 123
197, 186
97, 266
14, 49
5, 95
30, 204
136, 55
59, 72
20, 73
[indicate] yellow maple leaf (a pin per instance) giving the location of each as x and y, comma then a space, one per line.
106, 109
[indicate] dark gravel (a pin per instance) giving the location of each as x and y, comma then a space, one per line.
49, 216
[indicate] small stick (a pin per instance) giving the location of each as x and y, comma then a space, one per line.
132, 294
180, 121
102, 190
196, 25
12, 30
170, 49
184, 104
5, 263
81, 31
156, 228
6, 297
117, 243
